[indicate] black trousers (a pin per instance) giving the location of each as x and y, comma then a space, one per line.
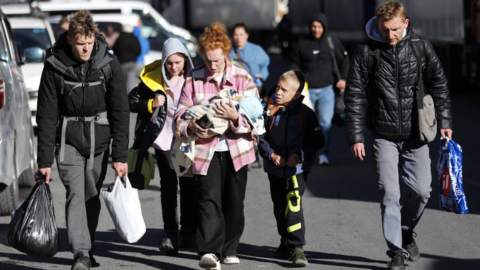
221, 194
168, 195
287, 196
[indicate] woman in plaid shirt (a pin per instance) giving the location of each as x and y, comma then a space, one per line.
220, 161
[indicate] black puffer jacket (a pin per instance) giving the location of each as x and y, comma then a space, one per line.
82, 101
391, 111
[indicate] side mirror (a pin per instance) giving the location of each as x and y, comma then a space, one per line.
33, 55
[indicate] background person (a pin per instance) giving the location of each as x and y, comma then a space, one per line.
161, 86
312, 55
396, 147
73, 60
62, 27
127, 49
249, 56
220, 163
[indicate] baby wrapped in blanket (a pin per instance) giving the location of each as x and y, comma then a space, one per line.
183, 151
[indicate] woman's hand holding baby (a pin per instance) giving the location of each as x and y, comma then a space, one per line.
227, 111
196, 128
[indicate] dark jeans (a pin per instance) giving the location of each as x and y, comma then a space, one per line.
220, 199
287, 196
168, 195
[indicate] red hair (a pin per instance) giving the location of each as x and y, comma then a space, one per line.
215, 37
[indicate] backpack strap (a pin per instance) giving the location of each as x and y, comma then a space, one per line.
105, 75
334, 57
419, 51
59, 83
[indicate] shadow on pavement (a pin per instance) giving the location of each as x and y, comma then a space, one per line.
448, 263
350, 179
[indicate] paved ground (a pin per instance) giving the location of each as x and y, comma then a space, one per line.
342, 218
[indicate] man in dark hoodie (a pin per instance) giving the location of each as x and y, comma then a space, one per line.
313, 56
82, 104
127, 49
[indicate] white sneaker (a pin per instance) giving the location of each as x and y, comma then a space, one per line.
210, 261
231, 260
323, 160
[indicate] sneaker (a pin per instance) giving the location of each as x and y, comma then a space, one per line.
81, 262
323, 160
397, 262
170, 243
210, 261
283, 251
93, 262
231, 260
186, 239
410, 245
298, 258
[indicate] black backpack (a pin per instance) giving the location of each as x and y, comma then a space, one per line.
105, 76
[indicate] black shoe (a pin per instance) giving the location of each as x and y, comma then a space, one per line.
170, 243
410, 245
186, 239
81, 262
93, 262
283, 251
397, 262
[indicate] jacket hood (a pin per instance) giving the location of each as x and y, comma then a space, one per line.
374, 33
321, 18
154, 75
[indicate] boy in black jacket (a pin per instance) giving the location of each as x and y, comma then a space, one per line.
297, 138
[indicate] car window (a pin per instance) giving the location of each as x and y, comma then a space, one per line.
3, 45
31, 38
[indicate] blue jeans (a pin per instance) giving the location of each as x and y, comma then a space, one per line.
323, 102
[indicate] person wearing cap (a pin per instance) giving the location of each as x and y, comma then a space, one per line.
313, 56
288, 149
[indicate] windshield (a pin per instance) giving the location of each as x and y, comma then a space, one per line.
25, 38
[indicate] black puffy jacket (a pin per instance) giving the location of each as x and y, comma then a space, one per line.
391, 111
87, 100
138, 99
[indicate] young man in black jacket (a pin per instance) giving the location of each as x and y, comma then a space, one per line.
389, 84
82, 104
313, 56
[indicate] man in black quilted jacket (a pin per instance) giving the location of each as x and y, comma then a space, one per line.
388, 84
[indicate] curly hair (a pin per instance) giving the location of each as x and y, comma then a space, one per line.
215, 37
390, 10
81, 22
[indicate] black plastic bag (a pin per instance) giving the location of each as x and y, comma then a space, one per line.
339, 113
33, 229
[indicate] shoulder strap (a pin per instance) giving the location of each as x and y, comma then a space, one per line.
334, 57
239, 58
419, 51
59, 83
107, 72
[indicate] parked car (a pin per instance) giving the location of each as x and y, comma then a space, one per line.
32, 32
17, 142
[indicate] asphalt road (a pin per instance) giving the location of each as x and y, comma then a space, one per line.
341, 210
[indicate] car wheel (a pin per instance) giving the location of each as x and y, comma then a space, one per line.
27, 178
9, 197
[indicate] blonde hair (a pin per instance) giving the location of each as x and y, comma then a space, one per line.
390, 10
81, 22
215, 37
291, 78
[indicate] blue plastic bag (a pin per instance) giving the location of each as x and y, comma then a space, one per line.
450, 177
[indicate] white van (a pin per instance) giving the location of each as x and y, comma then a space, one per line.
32, 32
147, 13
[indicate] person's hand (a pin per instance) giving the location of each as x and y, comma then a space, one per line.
293, 160
196, 128
341, 85
45, 171
120, 168
226, 111
446, 133
358, 150
258, 75
278, 160
158, 101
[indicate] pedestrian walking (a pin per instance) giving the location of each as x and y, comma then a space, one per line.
160, 87
288, 150
250, 57
220, 163
387, 73
110, 35
127, 49
319, 56
145, 48
82, 86
62, 27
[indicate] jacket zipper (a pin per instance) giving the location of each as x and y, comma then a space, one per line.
285, 142
398, 92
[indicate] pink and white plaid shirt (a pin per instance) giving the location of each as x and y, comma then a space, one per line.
200, 87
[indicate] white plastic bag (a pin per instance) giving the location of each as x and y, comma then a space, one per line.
123, 203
